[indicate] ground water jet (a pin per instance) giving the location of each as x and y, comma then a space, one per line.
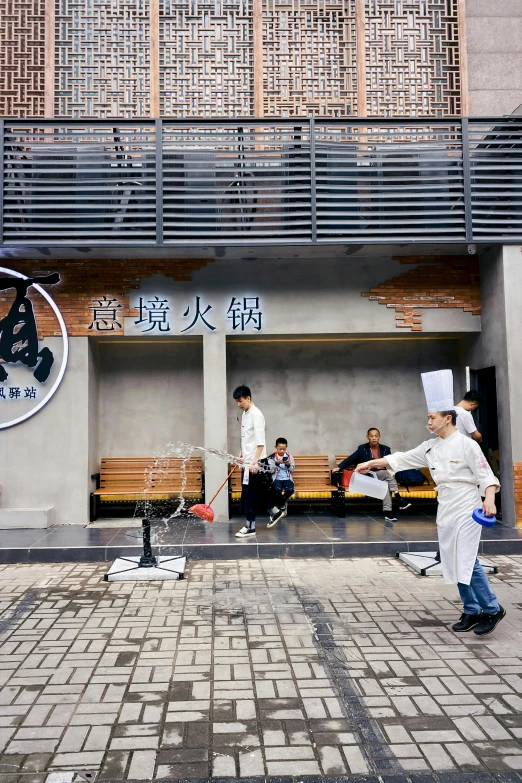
178, 450
149, 567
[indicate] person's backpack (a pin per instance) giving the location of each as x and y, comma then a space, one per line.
411, 478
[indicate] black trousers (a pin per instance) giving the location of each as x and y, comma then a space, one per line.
250, 498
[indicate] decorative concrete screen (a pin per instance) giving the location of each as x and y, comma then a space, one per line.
22, 58
206, 62
216, 58
412, 57
309, 58
102, 58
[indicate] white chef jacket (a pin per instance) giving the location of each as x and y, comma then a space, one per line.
462, 476
252, 436
465, 421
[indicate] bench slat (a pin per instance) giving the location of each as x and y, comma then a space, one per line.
174, 493
148, 476
140, 487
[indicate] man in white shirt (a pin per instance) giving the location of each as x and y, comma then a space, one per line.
253, 448
465, 421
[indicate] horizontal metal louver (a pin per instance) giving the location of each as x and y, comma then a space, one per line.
260, 181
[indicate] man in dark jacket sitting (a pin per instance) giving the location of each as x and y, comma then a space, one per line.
375, 450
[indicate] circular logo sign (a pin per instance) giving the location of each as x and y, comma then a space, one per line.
30, 369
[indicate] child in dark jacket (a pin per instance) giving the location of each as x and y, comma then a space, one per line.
282, 466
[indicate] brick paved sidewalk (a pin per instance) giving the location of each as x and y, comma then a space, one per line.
342, 669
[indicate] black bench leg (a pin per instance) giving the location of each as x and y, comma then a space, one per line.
93, 508
338, 503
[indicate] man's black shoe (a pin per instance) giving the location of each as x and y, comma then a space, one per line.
274, 518
467, 622
402, 503
488, 622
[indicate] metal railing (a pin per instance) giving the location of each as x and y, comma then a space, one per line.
260, 181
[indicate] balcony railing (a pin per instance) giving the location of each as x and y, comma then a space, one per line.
253, 182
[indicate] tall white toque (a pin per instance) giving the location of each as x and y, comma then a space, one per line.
438, 390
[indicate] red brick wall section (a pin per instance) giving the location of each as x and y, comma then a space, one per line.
437, 282
84, 282
517, 478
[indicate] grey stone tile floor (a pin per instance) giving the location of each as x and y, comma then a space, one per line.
286, 670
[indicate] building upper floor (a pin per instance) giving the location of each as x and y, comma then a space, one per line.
154, 183
259, 58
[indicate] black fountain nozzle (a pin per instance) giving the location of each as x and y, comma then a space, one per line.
128, 568
147, 560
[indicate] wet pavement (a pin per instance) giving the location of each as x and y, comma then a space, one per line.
256, 669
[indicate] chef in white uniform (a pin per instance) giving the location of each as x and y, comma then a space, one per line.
463, 477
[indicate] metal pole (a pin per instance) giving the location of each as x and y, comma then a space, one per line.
147, 560
313, 191
159, 181
466, 172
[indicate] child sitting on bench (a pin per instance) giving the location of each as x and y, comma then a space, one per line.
282, 466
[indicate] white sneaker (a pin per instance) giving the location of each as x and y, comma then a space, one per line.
390, 518
245, 532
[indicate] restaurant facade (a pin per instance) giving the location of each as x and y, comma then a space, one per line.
320, 200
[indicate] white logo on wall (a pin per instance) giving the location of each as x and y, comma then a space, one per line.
30, 370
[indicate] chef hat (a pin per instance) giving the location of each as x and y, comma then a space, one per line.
438, 390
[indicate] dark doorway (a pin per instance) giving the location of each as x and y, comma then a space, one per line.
486, 417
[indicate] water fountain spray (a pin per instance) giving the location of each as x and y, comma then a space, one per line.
150, 567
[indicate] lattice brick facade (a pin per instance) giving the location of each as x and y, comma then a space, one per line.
206, 58
102, 62
22, 58
309, 58
182, 58
412, 57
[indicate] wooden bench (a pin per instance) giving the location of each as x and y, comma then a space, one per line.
311, 477
133, 479
424, 492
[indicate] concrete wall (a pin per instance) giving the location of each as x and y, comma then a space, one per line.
94, 409
115, 400
494, 44
499, 346
512, 259
45, 460
150, 394
215, 418
297, 296
323, 396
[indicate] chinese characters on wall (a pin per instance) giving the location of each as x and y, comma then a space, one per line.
158, 315
19, 343
17, 393
105, 314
